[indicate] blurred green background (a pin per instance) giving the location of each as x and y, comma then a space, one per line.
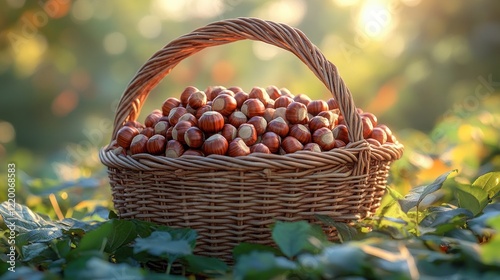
428, 69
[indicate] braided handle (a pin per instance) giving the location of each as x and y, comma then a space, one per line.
227, 31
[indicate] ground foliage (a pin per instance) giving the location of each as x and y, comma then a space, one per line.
417, 236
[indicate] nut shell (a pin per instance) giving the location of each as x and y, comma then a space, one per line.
174, 149
175, 114
252, 107
313, 147
278, 126
259, 123
197, 99
302, 98
316, 106
301, 133
194, 137
291, 145
318, 122
238, 148
156, 144
282, 101
186, 94
272, 141
139, 144
237, 118
169, 104
215, 144
296, 112
260, 94
273, 92
224, 104
179, 129
379, 134
229, 132
340, 132
259, 148
153, 118
248, 134
125, 135
211, 122
324, 138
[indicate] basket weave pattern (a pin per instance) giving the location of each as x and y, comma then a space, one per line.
230, 200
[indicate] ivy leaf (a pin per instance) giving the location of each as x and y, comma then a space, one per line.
161, 244
262, 265
471, 198
444, 219
346, 233
489, 182
292, 237
416, 195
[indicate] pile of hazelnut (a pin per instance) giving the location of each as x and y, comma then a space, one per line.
229, 121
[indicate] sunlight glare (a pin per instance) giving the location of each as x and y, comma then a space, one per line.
375, 19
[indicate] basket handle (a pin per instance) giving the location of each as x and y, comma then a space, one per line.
227, 31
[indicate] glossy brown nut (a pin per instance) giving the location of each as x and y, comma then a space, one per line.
197, 99
125, 135
169, 104
190, 118
270, 103
202, 110
259, 123
193, 152
229, 132
168, 135
386, 129
286, 92
340, 132
248, 134
240, 97
252, 107
235, 89
278, 126
152, 118
332, 103
238, 148
186, 93
379, 134
194, 137
213, 91
148, 131
296, 112
291, 145
373, 142
273, 92
215, 144
268, 114
301, 133
313, 147
324, 138
367, 127
161, 127
332, 118
316, 106
371, 117
302, 98
224, 104
138, 144
179, 129
174, 149
260, 94
175, 114
272, 141
237, 118
156, 144
211, 122
135, 124
259, 148
318, 122
282, 101
339, 143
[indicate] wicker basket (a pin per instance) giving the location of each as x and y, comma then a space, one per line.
230, 200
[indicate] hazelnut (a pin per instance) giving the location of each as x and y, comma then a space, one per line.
318, 122
169, 104
238, 147
179, 129
186, 94
190, 118
259, 148
371, 117
197, 99
211, 122
278, 126
332, 118
332, 104
202, 110
270, 104
138, 144
280, 112
237, 118
367, 127
247, 133
286, 92
282, 101
148, 131
253, 107
135, 124
373, 142
386, 129
174, 149
194, 137
301, 133
193, 152
271, 140
161, 127
313, 147
260, 94
190, 110
379, 134
212, 92
235, 89
324, 138
302, 98
229, 132
125, 135
168, 135
273, 92
152, 118
340, 132
339, 143
268, 114
259, 123
316, 106
224, 104
240, 97
296, 112
156, 144
175, 114
291, 145
215, 144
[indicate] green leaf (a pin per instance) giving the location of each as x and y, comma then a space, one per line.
443, 219
160, 244
345, 259
416, 195
246, 248
489, 182
489, 252
291, 237
471, 198
95, 268
346, 233
205, 265
262, 265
